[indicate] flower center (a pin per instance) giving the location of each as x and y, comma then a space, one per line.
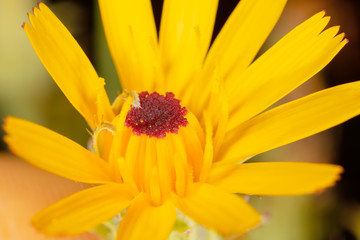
156, 115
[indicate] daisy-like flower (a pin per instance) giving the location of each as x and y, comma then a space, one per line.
191, 116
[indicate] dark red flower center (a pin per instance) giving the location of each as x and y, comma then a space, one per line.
156, 115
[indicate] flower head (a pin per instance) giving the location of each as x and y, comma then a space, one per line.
179, 136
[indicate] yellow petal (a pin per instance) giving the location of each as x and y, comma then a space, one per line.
290, 62
145, 221
68, 65
292, 121
131, 35
234, 48
185, 34
275, 178
208, 149
82, 211
54, 153
214, 208
243, 34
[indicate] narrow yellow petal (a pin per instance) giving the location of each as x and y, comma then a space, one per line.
292, 121
180, 174
290, 62
165, 165
243, 34
214, 208
218, 109
275, 178
154, 186
192, 146
208, 149
131, 35
68, 65
185, 34
145, 221
146, 168
118, 146
54, 153
132, 155
82, 211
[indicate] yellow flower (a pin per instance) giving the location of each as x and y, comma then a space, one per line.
153, 154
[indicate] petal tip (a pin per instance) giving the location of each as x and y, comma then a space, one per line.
5, 119
338, 170
38, 226
327, 18
30, 15
321, 13
337, 27
8, 119
36, 10
6, 123
41, 5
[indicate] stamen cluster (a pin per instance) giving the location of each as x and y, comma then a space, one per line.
156, 115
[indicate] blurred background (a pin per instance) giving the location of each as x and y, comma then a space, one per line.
27, 91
